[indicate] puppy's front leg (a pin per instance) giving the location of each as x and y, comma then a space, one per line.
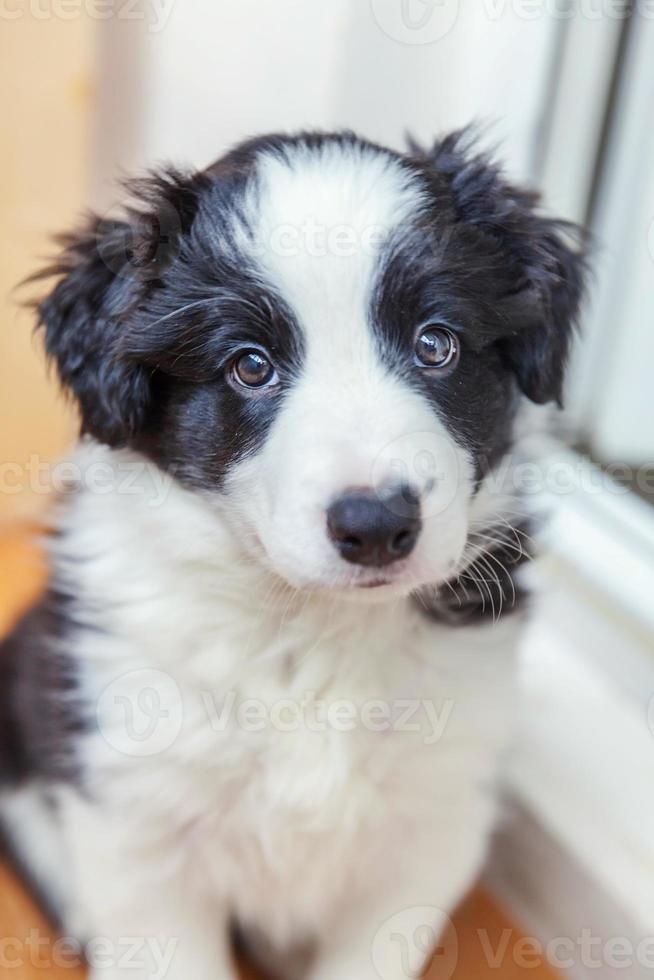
142, 913
398, 927
386, 944
169, 941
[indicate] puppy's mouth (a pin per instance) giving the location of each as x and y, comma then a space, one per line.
396, 582
374, 584
371, 580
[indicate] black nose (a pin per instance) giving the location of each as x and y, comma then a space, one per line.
369, 529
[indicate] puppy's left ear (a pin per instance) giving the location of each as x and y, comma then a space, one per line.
541, 262
545, 310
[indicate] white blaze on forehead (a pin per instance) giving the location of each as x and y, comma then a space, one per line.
318, 216
335, 205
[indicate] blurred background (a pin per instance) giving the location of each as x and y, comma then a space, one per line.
93, 89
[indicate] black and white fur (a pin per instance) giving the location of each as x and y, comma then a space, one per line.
201, 568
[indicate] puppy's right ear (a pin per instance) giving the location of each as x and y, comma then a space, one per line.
105, 272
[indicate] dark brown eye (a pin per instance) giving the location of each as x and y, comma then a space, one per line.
436, 347
252, 369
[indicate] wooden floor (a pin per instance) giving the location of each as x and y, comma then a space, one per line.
486, 945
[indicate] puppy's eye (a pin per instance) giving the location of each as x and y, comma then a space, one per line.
437, 347
252, 369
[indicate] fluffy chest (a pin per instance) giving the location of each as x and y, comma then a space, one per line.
311, 756
307, 798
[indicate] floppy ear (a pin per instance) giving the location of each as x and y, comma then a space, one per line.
105, 272
546, 310
548, 258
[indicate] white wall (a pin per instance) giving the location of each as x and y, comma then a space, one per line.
614, 402
485, 63
212, 72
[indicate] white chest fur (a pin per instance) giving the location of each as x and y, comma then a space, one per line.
283, 751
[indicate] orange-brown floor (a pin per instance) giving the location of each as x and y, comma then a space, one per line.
488, 943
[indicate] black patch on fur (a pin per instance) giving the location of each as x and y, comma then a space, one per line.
148, 310
199, 424
106, 272
148, 313
40, 709
488, 586
537, 264
508, 281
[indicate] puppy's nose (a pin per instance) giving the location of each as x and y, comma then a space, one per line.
369, 530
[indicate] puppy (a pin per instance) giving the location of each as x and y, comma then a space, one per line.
271, 679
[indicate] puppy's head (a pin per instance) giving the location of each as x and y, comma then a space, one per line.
325, 339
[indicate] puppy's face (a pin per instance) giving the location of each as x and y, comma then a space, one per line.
328, 341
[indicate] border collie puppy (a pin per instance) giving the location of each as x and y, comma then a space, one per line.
267, 689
